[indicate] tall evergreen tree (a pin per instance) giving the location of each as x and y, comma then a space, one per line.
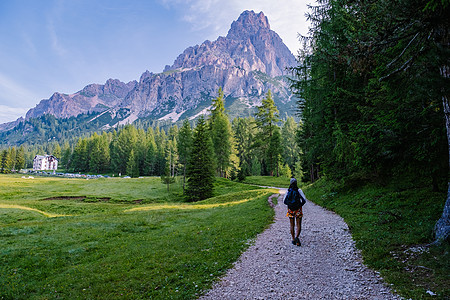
171, 155
221, 135
275, 150
80, 159
218, 106
121, 148
105, 157
291, 151
12, 158
132, 168
256, 168
244, 133
167, 177
160, 159
223, 144
66, 156
373, 81
20, 158
56, 151
266, 117
184, 147
141, 150
150, 157
98, 153
200, 170
5, 162
94, 153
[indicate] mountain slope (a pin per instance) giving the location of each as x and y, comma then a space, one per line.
246, 63
93, 98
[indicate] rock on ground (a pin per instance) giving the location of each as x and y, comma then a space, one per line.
326, 266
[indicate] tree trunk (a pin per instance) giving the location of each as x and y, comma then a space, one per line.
278, 168
442, 227
184, 176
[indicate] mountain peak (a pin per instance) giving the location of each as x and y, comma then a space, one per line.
249, 22
246, 64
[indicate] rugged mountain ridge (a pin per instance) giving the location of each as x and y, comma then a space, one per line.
246, 63
92, 98
249, 45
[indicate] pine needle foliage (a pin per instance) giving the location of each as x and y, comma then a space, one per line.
200, 170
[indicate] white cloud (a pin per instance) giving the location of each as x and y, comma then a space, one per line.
55, 17
286, 17
13, 91
9, 114
55, 42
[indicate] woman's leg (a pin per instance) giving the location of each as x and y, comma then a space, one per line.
299, 226
292, 220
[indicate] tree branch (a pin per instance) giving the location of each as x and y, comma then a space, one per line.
403, 52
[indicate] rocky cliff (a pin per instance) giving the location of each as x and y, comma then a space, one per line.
94, 97
246, 63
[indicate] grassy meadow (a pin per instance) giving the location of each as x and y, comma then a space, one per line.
282, 182
121, 238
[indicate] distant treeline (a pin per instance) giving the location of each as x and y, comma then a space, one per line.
259, 145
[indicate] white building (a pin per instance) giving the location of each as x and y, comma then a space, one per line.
45, 162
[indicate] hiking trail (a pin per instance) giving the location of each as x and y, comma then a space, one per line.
326, 266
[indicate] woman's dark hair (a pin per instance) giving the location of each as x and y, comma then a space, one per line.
293, 185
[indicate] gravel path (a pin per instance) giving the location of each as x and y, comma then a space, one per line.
326, 266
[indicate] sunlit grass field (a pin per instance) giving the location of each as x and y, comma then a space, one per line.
121, 238
282, 182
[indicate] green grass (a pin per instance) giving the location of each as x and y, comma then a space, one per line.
388, 224
268, 181
121, 238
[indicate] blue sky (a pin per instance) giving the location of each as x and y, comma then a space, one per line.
52, 46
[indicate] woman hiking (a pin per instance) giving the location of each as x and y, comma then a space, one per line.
295, 199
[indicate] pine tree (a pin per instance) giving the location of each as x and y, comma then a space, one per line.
150, 157
56, 151
274, 152
66, 156
80, 160
160, 159
373, 83
167, 177
5, 163
105, 156
184, 147
12, 159
266, 117
141, 150
20, 158
132, 168
222, 139
94, 153
218, 106
256, 168
244, 133
291, 151
221, 135
200, 170
121, 148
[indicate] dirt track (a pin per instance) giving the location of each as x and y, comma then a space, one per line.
326, 266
